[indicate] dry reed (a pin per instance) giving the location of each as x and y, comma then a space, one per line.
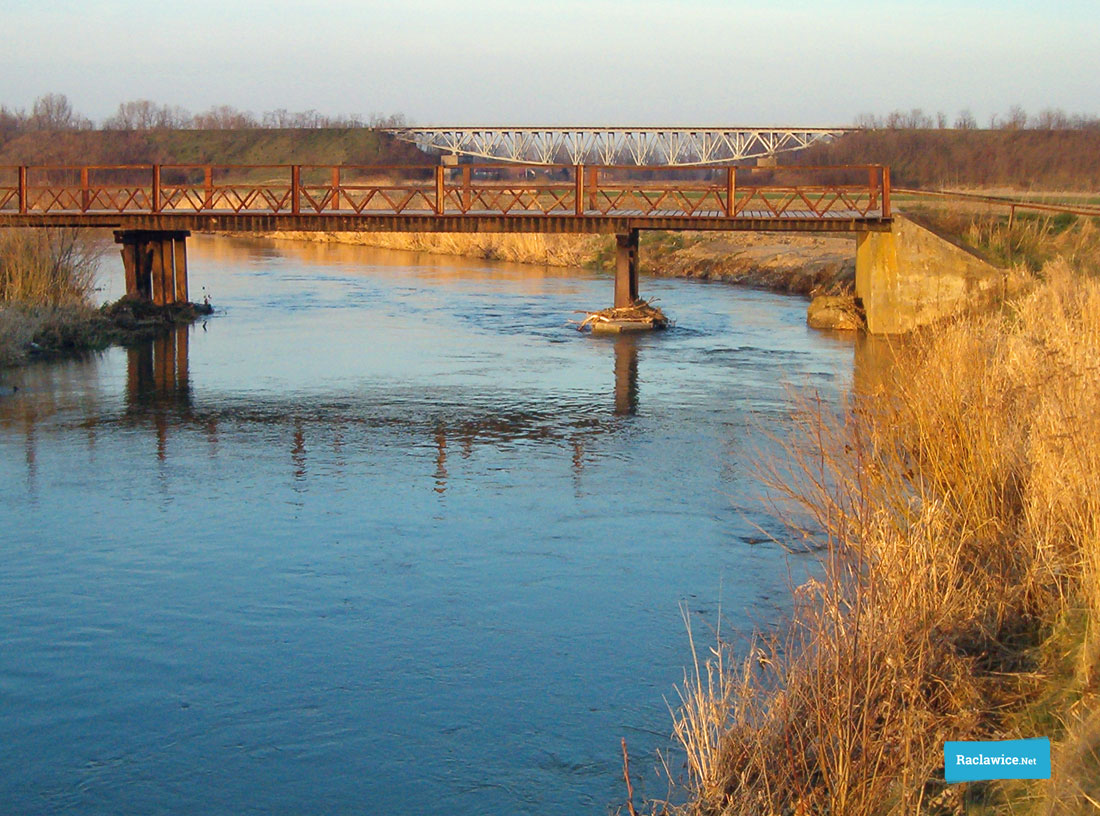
48, 267
552, 250
47, 278
959, 521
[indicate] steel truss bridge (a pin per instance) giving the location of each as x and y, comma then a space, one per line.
668, 146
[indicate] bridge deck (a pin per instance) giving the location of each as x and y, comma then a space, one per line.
467, 198
424, 221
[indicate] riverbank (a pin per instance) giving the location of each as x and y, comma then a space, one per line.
34, 332
955, 510
792, 264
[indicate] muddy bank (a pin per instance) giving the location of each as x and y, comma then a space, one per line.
793, 264
30, 333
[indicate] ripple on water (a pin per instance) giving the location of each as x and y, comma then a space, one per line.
387, 530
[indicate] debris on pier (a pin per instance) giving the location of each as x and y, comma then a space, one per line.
640, 316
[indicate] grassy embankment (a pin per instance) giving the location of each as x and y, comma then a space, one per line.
956, 509
1019, 160
250, 146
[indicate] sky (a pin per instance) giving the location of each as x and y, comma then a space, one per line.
596, 62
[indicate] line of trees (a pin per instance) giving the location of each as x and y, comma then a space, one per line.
1016, 119
55, 112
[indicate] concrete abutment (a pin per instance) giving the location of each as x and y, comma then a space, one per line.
911, 276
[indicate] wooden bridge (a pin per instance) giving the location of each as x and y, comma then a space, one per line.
153, 208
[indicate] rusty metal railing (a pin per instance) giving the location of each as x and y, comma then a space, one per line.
805, 193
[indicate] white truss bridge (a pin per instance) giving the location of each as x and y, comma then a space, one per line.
669, 146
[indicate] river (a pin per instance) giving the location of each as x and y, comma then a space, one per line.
384, 535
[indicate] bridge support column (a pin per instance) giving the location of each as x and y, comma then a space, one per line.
626, 269
156, 264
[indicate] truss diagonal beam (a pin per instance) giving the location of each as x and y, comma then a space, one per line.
669, 146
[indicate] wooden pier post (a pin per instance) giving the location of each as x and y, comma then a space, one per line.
179, 246
155, 264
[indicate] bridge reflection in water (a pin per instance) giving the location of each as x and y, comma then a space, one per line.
160, 395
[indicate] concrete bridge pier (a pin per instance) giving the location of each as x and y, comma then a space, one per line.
626, 268
156, 264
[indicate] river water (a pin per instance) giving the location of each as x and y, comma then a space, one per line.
384, 535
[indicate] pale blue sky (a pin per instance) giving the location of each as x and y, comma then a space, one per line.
571, 61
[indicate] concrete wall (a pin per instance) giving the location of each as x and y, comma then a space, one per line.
910, 277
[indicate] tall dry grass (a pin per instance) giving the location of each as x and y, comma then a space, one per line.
958, 512
48, 267
47, 279
1030, 240
553, 250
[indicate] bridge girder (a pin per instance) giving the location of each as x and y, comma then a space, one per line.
668, 146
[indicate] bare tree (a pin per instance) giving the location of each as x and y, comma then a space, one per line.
965, 120
393, 120
1051, 119
52, 112
1016, 119
143, 114
224, 117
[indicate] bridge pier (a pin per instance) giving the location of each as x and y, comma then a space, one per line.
156, 264
626, 268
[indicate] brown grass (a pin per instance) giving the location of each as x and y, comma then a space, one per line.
553, 250
1030, 241
959, 519
1020, 159
48, 267
47, 278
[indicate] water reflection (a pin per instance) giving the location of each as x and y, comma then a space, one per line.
526, 278
158, 385
160, 394
626, 374
874, 363
421, 510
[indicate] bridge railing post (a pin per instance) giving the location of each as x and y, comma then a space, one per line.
731, 191
22, 190
208, 187
154, 199
440, 201
467, 198
578, 171
335, 188
872, 183
295, 188
885, 192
